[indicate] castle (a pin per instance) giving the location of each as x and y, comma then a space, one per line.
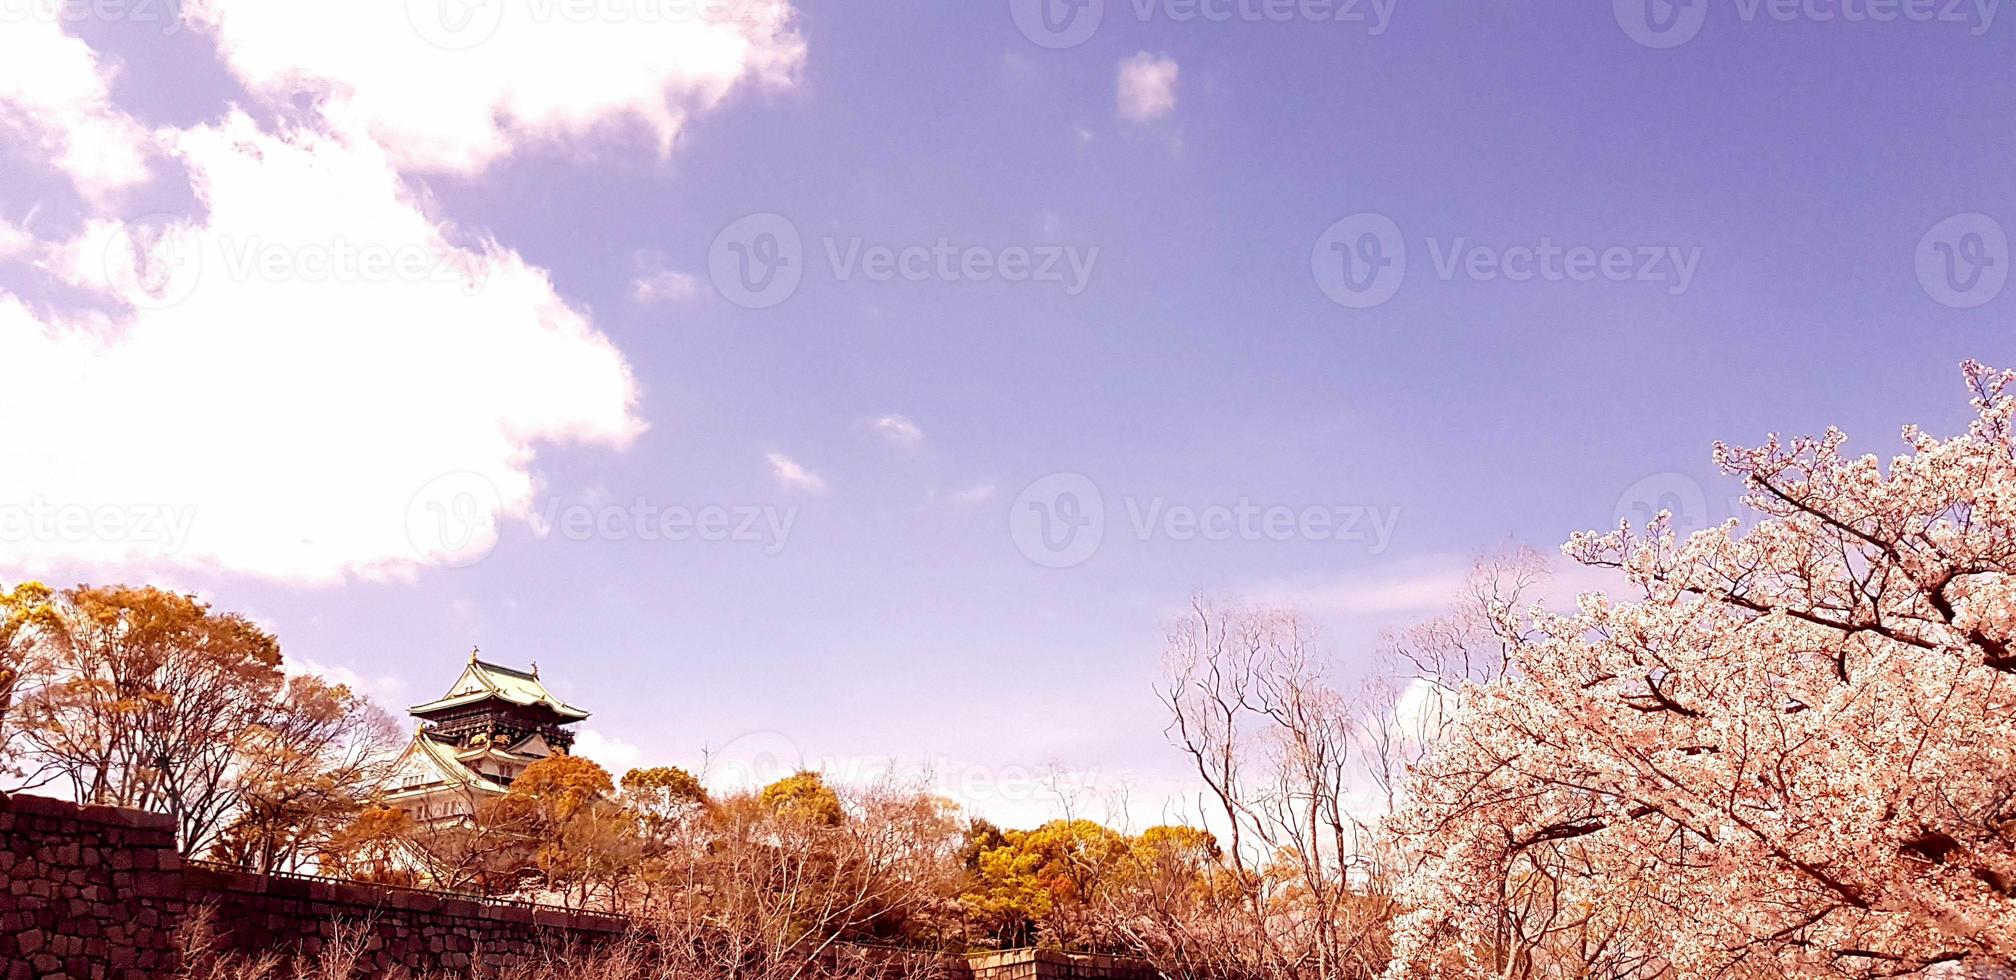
474, 740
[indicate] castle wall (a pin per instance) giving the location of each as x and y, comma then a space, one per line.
99, 893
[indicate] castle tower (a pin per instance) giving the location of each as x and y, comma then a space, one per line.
474, 740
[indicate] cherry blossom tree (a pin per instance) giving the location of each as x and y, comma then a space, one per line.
1790, 752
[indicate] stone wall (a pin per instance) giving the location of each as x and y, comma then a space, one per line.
99, 892
91, 892
418, 930
1049, 964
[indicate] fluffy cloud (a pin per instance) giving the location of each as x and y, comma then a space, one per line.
898, 429
317, 375
293, 377
387, 690
14, 240
792, 476
56, 98
664, 286
1147, 90
454, 87
609, 752
979, 494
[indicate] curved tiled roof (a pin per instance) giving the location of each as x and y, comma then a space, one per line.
481, 681
454, 771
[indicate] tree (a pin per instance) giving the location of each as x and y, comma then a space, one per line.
1275, 745
1179, 904
583, 843
804, 796
664, 794
379, 844
777, 882
1789, 753
669, 805
1042, 882
155, 700
27, 615
305, 770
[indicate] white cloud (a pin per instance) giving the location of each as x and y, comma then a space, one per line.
611, 753
664, 286
1147, 89
55, 96
286, 414
974, 495
455, 95
1354, 609
14, 240
793, 476
898, 429
1416, 589
317, 376
388, 690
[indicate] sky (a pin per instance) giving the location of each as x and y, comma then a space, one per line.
845, 383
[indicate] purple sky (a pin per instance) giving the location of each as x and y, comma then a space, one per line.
1800, 172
